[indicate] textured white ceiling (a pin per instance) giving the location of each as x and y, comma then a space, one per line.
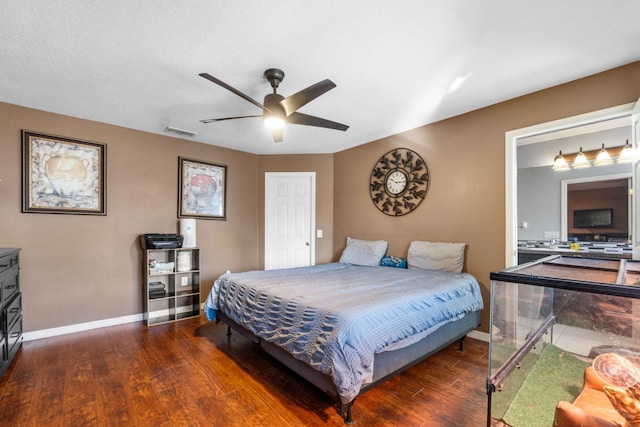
395, 63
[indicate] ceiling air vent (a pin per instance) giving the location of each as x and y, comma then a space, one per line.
180, 132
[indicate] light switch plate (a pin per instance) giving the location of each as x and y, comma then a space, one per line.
184, 281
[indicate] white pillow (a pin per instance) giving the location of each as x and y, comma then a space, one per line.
364, 252
436, 256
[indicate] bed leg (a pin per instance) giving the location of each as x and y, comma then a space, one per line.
461, 348
345, 412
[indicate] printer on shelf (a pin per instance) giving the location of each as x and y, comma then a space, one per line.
161, 241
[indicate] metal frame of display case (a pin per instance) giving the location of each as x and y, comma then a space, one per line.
621, 286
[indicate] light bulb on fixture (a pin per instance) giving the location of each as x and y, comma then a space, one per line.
274, 122
626, 155
560, 163
273, 114
581, 161
603, 158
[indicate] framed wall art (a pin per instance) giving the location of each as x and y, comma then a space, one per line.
202, 189
63, 175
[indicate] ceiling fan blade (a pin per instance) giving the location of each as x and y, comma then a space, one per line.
277, 135
231, 89
227, 118
305, 119
297, 100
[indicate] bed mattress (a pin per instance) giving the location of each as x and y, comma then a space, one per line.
335, 317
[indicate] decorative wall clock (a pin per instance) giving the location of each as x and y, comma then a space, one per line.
399, 182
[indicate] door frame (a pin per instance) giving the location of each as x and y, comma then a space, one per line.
312, 210
511, 165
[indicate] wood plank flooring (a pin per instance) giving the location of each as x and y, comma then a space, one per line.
190, 373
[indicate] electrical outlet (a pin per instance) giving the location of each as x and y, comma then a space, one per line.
184, 281
551, 234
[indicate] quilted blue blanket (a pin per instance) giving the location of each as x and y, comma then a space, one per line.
335, 317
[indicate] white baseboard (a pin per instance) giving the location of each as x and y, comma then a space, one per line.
52, 332
482, 336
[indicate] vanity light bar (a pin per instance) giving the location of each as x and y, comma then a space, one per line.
599, 157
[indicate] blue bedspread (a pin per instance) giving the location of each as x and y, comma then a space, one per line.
335, 317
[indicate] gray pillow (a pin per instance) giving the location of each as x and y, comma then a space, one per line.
364, 252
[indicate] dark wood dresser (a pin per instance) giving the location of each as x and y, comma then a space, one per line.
10, 306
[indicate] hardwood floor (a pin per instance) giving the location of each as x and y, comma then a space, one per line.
190, 374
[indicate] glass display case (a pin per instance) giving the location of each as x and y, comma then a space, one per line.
565, 343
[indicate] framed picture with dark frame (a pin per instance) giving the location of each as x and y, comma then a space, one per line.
63, 175
202, 189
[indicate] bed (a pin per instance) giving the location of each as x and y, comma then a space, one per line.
346, 326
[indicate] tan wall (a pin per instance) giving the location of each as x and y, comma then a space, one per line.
322, 165
465, 156
84, 268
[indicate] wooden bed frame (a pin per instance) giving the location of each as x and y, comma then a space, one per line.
386, 364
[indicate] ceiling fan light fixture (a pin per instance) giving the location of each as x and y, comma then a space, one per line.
278, 110
273, 122
273, 113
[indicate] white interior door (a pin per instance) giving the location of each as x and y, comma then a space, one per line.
289, 219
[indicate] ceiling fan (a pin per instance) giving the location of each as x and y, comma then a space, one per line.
278, 110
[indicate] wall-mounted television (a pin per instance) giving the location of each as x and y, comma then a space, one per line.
593, 218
